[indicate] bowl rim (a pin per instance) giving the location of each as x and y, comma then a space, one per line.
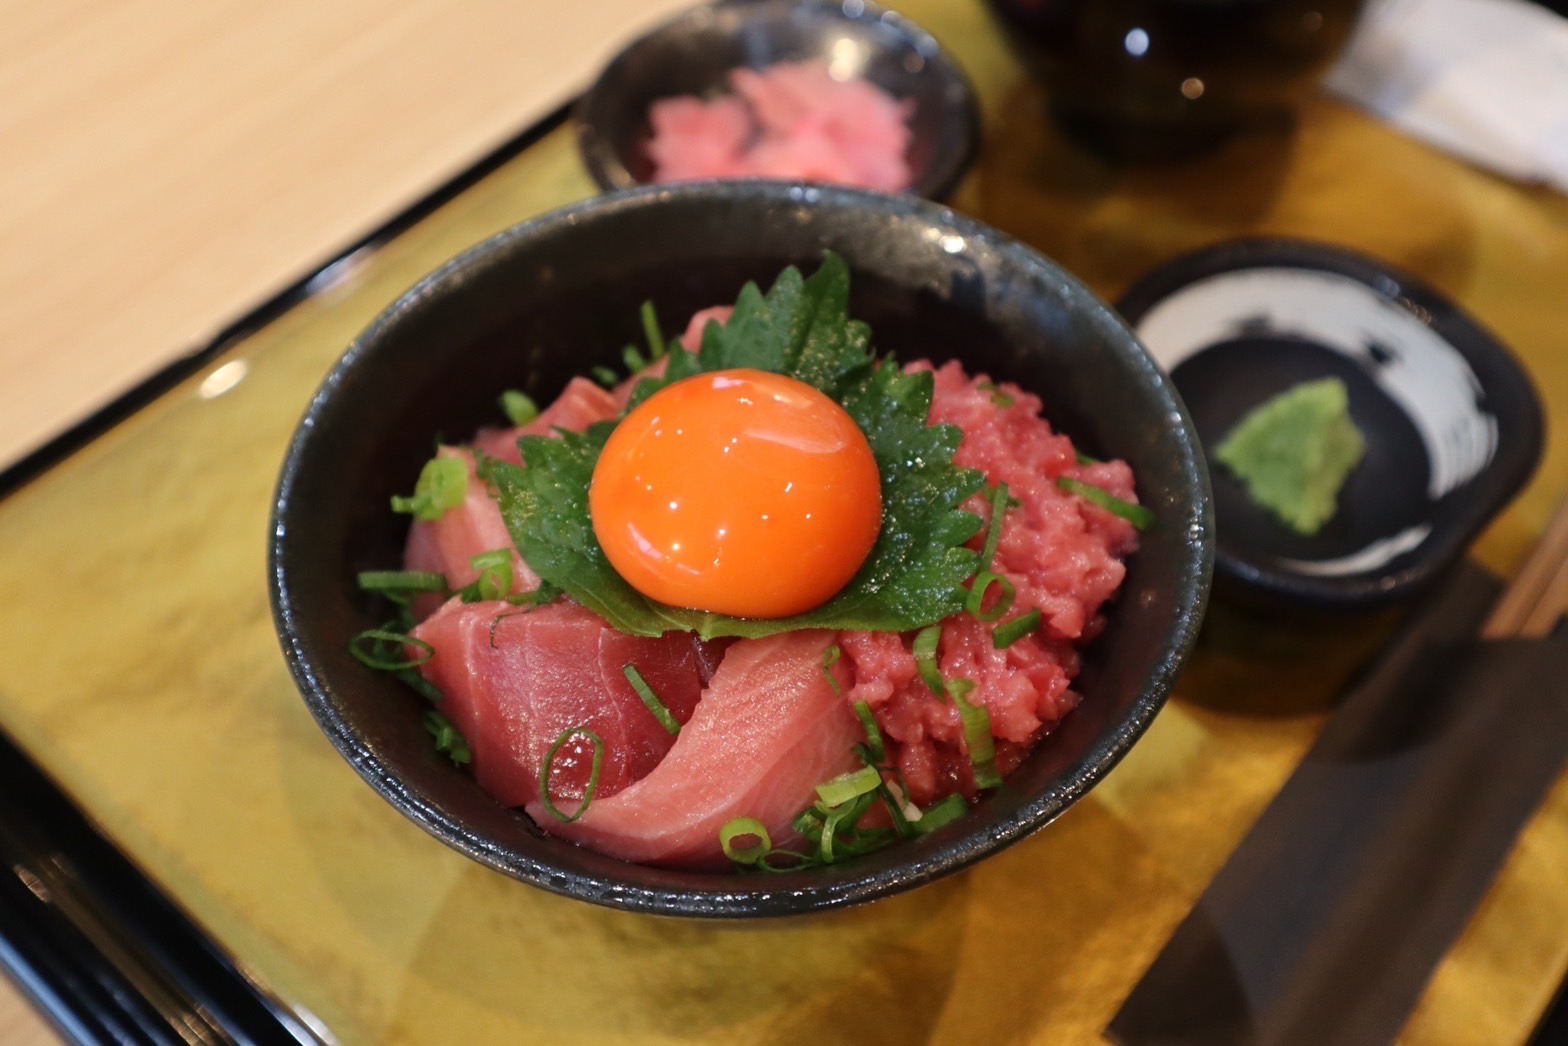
734, 896
951, 160
1521, 426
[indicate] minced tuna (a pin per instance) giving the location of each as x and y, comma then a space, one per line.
1063, 556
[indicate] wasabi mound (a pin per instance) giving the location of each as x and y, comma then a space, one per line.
1295, 451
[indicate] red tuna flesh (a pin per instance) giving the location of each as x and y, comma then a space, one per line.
579, 405
446, 545
691, 338
514, 680
1063, 556
768, 730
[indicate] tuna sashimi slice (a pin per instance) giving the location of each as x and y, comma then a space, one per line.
768, 730
515, 680
691, 338
447, 545
579, 405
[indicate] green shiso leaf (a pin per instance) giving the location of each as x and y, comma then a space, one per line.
1295, 451
800, 328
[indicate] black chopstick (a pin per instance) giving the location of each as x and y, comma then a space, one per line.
98, 948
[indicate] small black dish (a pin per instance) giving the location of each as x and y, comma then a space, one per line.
693, 53
552, 298
1452, 424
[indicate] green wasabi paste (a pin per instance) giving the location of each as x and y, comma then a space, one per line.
1294, 452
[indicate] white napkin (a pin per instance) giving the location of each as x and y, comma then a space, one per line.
1484, 79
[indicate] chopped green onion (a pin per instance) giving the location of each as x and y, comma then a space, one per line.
975, 601
650, 330
809, 822
894, 802
448, 739
770, 861
998, 397
369, 647
593, 772
495, 621
993, 534
397, 585
740, 828
1084, 459
1010, 632
1137, 515
830, 658
442, 485
519, 407
945, 812
827, 836
538, 597
848, 786
926, 641
633, 359
868, 721
651, 699
977, 734
420, 685
604, 376
835, 833
855, 842
495, 576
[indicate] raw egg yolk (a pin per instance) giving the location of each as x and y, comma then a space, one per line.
738, 492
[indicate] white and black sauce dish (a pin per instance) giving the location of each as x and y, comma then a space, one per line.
1451, 422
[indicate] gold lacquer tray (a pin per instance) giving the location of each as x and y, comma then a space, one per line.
139, 667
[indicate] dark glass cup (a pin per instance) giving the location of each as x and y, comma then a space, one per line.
1161, 79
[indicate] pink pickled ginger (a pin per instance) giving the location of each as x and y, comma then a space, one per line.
790, 120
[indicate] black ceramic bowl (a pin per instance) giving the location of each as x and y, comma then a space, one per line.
546, 300
1451, 423
1166, 79
693, 54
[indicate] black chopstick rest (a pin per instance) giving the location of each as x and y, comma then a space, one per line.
1328, 921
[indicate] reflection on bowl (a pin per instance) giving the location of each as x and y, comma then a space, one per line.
550, 299
1451, 423
694, 53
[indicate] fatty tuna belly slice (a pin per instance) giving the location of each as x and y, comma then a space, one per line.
515, 680
768, 730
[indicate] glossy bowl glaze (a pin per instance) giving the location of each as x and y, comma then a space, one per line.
1452, 424
693, 53
551, 298
1154, 80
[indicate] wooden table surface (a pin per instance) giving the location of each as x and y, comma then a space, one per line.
165, 166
